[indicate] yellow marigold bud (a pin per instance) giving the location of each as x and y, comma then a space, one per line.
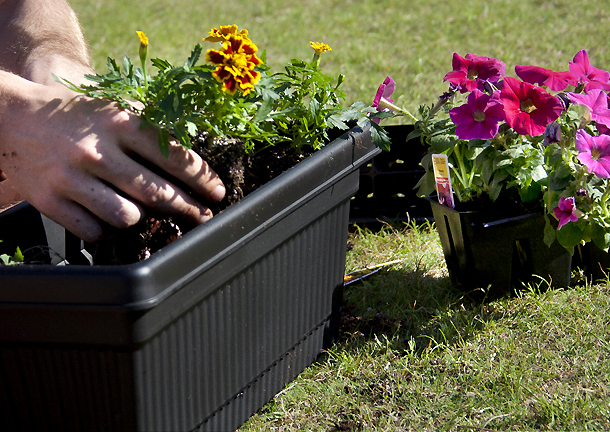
319, 47
143, 46
143, 38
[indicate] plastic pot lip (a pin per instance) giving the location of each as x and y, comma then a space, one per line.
143, 284
476, 217
433, 199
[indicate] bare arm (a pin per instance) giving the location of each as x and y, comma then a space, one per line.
38, 36
69, 155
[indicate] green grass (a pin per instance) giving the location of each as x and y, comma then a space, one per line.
411, 41
414, 353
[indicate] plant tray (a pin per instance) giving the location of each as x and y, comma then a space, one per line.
199, 336
387, 182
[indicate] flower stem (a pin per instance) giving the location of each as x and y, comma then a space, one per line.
462, 176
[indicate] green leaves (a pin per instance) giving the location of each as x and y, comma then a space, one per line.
16, 258
298, 105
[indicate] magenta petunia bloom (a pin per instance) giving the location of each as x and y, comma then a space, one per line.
528, 108
597, 102
591, 76
384, 92
565, 211
555, 81
594, 152
473, 71
478, 118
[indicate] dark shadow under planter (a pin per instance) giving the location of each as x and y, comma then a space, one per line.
199, 336
501, 253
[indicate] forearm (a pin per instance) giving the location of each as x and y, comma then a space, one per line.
41, 37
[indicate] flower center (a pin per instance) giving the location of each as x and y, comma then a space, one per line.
527, 106
478, 116
595, 154
473, 74
239, 61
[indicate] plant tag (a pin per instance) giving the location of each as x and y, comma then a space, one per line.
442, 178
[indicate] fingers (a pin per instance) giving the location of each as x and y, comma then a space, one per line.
111, 163
183, 164
78, 201
74, 218
151, 190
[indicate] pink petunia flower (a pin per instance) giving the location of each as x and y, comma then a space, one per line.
566, 211
555, 81
478, 118
528, 108
594, 153
473, 71
591, 76
597, 102
382, 97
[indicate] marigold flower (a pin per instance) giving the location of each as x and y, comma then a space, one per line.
473, 71
592, 77
224, 33
478, 118
319, 47
566, 211
594, 153
236, 61
555, 81
528, 108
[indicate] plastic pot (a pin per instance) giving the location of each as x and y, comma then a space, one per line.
483, 251
199, 336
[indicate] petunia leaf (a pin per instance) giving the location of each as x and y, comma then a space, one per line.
569, 236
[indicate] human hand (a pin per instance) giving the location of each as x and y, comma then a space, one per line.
72, 158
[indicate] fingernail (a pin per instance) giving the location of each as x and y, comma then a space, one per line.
206, 216
218, 193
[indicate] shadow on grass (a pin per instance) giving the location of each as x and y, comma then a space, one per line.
409, 305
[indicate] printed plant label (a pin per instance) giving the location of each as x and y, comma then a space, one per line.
442, 179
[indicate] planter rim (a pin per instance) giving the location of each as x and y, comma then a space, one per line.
143, 284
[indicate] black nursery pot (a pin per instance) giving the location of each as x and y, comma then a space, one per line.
594, 262
199, 336
387, 182
481, 251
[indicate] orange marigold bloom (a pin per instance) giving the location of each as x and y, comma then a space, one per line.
236, 61
224, 33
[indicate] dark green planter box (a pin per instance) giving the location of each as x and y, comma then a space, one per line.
198, 337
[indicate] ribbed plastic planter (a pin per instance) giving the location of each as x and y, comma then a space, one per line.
483, 251
199, 336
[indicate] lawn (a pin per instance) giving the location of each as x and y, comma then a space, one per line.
415, 353
370, 39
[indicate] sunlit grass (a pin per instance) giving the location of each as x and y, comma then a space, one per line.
415, 354
411, 41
